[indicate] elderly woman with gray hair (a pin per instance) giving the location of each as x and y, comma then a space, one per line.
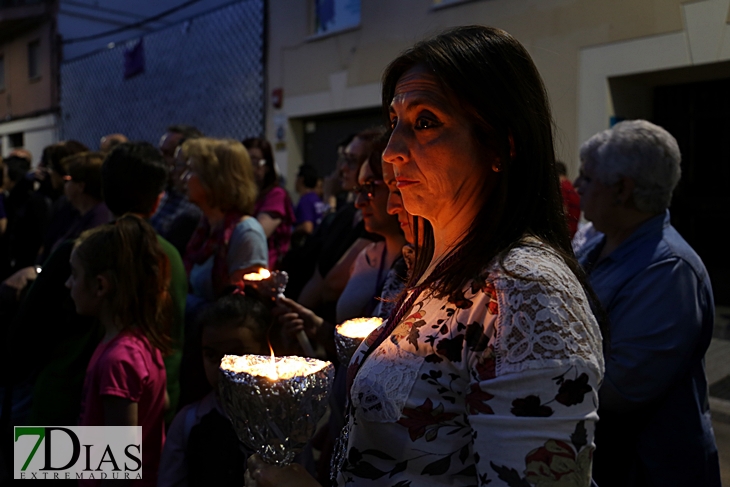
654, 426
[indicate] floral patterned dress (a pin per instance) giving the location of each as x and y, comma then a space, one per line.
497, 387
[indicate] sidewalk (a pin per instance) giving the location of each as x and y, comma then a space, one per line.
717, 363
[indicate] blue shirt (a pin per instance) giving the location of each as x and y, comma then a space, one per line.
654, 405
246, 248
172, 206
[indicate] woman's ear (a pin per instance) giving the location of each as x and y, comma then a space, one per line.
102, 286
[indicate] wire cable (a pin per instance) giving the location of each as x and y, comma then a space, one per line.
98, 8
133, 25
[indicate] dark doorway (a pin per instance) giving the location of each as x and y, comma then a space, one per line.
698, 115
323, 133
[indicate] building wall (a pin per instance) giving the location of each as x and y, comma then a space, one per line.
576, 45
23, 96
38, 132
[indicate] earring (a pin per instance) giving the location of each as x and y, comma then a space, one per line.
497, 167
511, 147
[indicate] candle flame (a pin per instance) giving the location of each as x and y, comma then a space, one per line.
359, 327
257, 276
273, 368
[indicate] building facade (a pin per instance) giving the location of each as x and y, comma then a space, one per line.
29, 87
604, 60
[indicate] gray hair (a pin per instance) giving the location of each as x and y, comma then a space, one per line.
642, 152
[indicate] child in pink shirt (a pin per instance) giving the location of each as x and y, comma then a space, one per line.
119, 274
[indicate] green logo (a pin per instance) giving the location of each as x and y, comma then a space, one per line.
22, 431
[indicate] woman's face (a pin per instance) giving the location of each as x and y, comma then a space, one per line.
440, 168
352, 157
85, 297
197, 194
372, 200
259, 165
395, 203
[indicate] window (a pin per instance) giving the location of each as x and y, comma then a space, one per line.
16, 140
2, 72
34, 48
334, 15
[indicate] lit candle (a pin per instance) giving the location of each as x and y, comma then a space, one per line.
351, 333
275, 403
257, 276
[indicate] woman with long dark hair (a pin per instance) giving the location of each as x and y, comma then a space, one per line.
273, 208
487, 370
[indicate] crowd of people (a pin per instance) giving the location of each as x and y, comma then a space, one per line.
516, 349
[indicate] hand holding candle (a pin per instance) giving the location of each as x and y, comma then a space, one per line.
273, 285
274, 403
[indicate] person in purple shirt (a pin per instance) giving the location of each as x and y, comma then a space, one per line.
310, 210
654, 427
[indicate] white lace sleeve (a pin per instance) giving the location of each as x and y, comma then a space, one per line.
544, 317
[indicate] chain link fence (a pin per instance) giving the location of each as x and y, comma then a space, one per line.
207, 72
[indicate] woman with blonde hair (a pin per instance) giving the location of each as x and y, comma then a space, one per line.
228, 243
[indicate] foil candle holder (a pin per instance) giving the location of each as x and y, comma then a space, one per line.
269, 284
275, 403
272, 285
351, 333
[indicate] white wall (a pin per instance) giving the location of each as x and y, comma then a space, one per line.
705, 39
38, 132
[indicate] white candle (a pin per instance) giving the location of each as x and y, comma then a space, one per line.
274, 368
359, 327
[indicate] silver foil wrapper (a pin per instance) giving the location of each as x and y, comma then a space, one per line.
346, 347
276, 418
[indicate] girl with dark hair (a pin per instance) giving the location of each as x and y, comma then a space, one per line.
487, 369
120, 275
273, 208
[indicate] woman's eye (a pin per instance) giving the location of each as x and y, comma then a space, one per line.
425, 123
393, 122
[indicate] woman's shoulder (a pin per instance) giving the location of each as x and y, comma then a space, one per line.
132, 347
276, 196
369, 257
532, 260
373, 250
247, 224
544, 316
